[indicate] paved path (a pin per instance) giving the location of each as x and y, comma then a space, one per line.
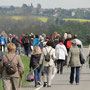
61, 82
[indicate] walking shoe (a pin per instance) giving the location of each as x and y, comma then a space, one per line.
48, 85
77, 83
58, 72
44, 84
35, 85
39, 83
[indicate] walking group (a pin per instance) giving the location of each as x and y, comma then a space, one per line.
46, 54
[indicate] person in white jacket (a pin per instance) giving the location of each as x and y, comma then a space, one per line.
48, 65
61, 54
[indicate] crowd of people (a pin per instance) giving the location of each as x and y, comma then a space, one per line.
45, 53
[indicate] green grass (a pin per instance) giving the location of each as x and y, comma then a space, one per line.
26, 61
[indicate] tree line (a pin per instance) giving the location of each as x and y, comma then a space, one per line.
20, 27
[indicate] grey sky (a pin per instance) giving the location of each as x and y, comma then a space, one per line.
49, 3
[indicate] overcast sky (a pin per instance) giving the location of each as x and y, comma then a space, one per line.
49, 3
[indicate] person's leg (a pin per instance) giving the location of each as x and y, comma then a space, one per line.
61, 66
15, 83
49, 76
35, 76
77, 74
38, 74
45, 76
58, 66
72, 75
6, 84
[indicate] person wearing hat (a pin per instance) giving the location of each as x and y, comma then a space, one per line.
74, 62
11, 81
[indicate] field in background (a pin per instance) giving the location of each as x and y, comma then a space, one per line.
43, 19
79, 20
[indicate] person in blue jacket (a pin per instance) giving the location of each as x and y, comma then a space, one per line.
3, 42
36, 41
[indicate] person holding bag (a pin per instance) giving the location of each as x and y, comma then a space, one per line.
10, 76
74, 62
34, 64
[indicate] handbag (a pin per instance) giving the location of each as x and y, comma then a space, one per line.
29, 77
82, 60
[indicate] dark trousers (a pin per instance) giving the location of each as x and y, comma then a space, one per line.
60, 64
27, 50
72, 74
37, 75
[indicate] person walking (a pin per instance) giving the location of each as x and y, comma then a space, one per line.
79, 43
34, 62
26, 42
3, 42
10, 76
48, 62
74, 62
36, 41
67, 42
61, 54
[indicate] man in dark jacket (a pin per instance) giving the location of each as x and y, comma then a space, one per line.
26, 42
16, 42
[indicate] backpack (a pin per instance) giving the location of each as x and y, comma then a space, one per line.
47, 56
10, 66
26, 40
68, 45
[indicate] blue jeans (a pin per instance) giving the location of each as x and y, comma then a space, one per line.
37, 75
72, 74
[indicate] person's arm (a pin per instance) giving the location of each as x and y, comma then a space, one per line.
69, 58
53, 54
41, 59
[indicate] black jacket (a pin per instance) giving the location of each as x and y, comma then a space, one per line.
34, 61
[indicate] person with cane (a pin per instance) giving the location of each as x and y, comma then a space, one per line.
11, 66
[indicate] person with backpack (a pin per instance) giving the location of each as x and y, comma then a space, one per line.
34, 64
12, 67
26, 41
47, 60
67, 42
61, 54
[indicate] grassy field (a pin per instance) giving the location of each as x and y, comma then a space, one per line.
25, 61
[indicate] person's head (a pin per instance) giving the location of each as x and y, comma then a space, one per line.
65, 35
11, 47
61, 39
10, 35
73, 42
49, 43
36, 50
57, 36
36, 36
75, 36
69, 36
